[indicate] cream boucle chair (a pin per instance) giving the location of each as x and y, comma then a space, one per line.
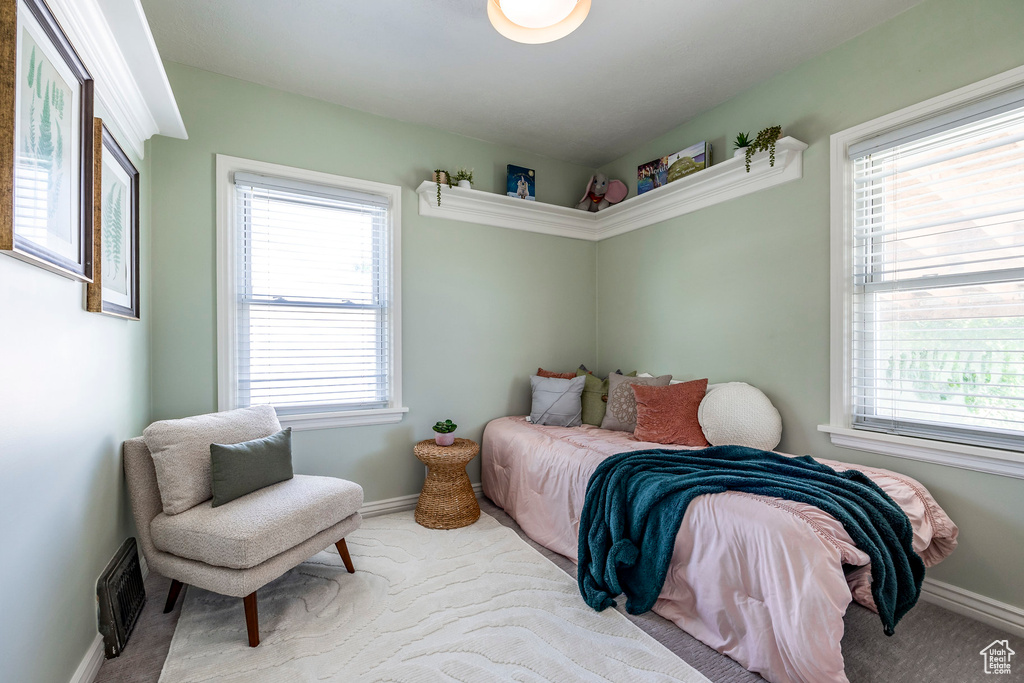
237, 548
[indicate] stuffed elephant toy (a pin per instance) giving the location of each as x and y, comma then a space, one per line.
602, 193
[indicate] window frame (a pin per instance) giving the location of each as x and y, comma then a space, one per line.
840, 427
227, 292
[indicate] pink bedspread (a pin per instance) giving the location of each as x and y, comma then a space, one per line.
759, 579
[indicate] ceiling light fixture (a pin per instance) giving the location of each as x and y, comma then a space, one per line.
536, 21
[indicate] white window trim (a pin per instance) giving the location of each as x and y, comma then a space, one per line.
840, 429
227, 332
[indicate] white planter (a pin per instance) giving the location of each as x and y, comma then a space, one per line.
740, 152
465, 183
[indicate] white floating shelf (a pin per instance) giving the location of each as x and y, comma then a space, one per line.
722, 182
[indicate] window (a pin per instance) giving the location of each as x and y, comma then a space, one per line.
928, 292
308, 295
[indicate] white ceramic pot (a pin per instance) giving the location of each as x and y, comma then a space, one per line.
465, 183
444, 439
740, 152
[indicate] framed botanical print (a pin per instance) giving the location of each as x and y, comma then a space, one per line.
114, 289
46, 130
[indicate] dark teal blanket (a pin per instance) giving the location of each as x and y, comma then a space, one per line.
635, 504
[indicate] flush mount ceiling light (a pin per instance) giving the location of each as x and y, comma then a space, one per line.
536, 21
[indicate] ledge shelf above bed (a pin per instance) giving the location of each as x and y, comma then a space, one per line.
723, 181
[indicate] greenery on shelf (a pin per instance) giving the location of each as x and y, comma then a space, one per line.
463, 174
764, 142
447, 179
446, 427
742, 140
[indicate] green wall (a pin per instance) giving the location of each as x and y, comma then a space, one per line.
75, 385
482, 307
740, 291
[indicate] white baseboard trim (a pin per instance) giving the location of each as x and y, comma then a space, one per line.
91, 662
975, 606
402, 503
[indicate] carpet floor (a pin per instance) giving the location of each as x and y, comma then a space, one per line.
931, 644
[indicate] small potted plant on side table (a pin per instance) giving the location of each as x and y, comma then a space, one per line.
445, 435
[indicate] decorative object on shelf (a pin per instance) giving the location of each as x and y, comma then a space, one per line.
688, 161
114, 289
522, 182
602, 193
530, 21
463, 178
46, 144
740, 144
439, 177
447, 500
651, 175
764, 142
445, 432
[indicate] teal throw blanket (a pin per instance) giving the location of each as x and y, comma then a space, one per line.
635, 504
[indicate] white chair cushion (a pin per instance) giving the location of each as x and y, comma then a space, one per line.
260, 525
737, 414
181, 450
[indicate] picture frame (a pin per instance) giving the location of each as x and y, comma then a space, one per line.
46, 143
114, 289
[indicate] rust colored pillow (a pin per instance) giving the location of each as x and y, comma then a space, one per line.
669, 414
541, 372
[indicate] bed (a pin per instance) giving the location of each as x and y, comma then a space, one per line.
763, 580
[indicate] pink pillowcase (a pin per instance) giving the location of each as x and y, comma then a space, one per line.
669, 414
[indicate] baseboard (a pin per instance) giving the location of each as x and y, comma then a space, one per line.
402, 503
91, 662
975, 606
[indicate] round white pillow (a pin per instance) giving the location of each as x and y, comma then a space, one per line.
737, 414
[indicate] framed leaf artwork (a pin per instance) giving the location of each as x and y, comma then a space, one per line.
114, 289
46, 151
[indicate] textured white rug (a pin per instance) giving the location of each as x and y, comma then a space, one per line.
472, 604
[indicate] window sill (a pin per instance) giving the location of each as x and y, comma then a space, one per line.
976, 458
347, 418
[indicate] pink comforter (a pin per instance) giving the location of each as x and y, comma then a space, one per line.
759, 579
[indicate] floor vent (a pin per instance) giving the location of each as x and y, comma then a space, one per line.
121, 596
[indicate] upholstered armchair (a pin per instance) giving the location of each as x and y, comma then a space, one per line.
236, 548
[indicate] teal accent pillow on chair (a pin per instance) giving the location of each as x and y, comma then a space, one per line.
242, 468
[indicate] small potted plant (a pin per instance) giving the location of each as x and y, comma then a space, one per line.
445, 435
464, 178
764, 142
442, 176
740, 144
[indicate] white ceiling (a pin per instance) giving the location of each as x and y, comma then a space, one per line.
634, 70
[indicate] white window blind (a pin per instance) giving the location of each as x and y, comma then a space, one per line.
313, 301
938, 296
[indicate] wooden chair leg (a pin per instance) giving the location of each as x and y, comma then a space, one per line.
345, 557
172, 595
252, 620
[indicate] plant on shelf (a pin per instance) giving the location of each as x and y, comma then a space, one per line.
445, 435
442, 176
463, 175
742, 141
764, 142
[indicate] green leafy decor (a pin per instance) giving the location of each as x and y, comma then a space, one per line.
113, 225
742, 141
463, 174
45, 140
447, 179
764, 142
446, 427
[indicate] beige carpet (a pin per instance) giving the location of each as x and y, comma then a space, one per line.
473, 604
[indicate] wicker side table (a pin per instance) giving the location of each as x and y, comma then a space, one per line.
447, 500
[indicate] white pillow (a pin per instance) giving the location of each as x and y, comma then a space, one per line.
737, 414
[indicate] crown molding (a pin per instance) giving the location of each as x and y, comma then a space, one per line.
722, 182
113, 39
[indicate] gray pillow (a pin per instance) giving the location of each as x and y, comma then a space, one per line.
621, 412
181, 450
241, 468
556, 401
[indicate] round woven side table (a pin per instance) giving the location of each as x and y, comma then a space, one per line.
447, 500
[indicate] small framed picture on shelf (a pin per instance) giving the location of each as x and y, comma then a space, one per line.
46, 143
115, 286
688, 161
651, 175
522, 182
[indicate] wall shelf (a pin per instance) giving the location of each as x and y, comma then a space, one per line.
722, 182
